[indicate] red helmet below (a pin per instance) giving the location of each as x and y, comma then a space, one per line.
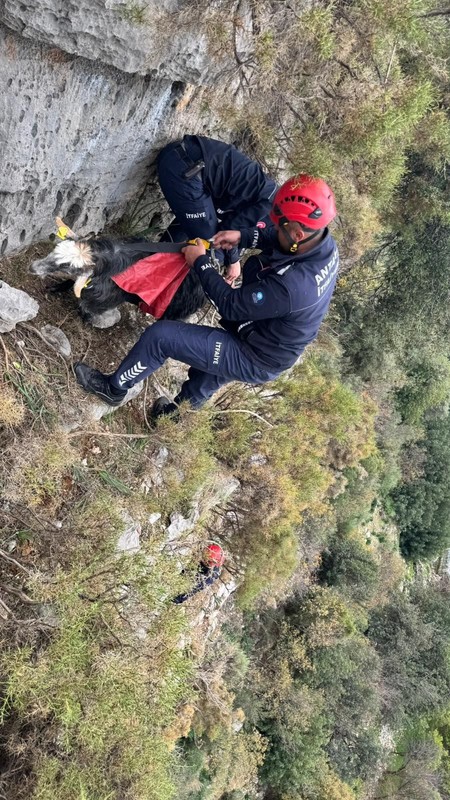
306, 200
213, 556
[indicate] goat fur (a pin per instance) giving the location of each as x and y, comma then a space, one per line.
99, 260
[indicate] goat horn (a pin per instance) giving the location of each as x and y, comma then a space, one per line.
80, 283
64, 231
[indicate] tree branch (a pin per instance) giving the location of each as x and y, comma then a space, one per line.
438, 12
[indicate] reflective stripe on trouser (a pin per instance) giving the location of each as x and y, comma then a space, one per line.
215, 357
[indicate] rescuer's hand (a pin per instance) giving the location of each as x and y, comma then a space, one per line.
233, 272
227, 239
192, 251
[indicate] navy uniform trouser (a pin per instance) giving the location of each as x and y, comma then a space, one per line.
215, 358
193, 206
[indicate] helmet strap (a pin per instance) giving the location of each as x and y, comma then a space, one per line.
292, 243
311, 236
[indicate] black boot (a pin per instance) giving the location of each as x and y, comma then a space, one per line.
162, 407
95, 382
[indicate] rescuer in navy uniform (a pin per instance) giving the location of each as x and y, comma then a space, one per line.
211, 186
208, 572
266, 324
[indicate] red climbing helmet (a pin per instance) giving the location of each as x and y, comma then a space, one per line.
213, 555
306, 200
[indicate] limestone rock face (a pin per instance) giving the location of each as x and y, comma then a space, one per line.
146, 43
88, 99
15, 306
74, 142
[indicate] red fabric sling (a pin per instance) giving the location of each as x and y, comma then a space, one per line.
155, 279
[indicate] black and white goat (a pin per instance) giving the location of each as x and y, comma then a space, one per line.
96, 261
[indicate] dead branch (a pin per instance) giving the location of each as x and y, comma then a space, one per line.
438, 12
112, 435
13, 561
5, 611
242, 411
6, 354
38, 333
45, 524
390, 62
17, 593
350, 71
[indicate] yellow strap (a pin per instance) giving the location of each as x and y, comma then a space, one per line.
205, 243
62, 232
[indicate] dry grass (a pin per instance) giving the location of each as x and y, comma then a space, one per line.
71, 640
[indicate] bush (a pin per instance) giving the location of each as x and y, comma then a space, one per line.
423, 505
106, 696
11, 408
316, 426
428, 386
412, 639
351, 566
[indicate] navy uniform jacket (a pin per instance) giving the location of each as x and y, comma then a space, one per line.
206, 576
232, 179
282, 301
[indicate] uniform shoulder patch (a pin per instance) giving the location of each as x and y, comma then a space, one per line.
258, 297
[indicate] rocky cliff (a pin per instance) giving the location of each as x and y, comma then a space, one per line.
90, 91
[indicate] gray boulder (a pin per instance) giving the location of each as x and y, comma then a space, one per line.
107, 319
129, 540
90, 410
178, 526
15, 306
57, 339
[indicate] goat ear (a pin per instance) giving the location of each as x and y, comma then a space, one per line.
63, 230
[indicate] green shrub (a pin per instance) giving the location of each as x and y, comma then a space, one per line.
428, 386
350, 565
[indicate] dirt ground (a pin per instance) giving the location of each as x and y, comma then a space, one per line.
39, 384
102, 348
